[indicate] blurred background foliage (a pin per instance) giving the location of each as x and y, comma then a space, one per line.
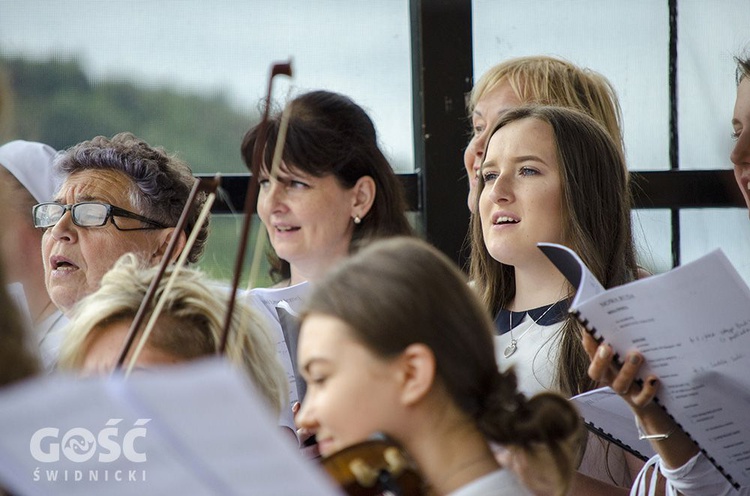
55, 102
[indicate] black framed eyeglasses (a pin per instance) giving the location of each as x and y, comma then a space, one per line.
87, 214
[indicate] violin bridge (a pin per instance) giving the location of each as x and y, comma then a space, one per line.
366, 475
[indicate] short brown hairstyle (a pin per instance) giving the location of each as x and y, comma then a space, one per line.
329, 134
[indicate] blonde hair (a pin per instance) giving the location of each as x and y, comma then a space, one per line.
189, 326
552, 81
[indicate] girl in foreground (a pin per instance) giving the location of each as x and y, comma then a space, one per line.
393, 341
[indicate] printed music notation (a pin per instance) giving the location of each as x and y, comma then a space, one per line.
692, 325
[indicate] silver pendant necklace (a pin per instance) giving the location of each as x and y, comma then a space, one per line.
513, 346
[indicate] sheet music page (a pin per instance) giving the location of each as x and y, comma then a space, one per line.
572, 267
607, 411
198, 429
692, 324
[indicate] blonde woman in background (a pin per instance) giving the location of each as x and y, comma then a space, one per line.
540, 80
189, 327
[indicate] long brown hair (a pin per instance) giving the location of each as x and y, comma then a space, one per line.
402, 291
743, 68
596, 224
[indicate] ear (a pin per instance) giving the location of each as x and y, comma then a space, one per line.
417, 373
364, 195
164, 237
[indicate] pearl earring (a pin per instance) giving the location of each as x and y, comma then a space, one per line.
357, 220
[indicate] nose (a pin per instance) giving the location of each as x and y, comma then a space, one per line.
475, 152
305, 417
65, 229
501, 188
741, 152
273, 195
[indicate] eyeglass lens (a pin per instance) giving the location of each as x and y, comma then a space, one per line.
84, 214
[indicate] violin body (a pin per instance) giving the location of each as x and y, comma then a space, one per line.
375, 467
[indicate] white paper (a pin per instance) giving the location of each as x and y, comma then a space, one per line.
603, 409
692, 324
198, 429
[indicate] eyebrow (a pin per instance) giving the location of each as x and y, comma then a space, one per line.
516, 160
81, 198
525, 158
311, 362
89, 198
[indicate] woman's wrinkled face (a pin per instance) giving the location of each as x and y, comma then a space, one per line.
75, 258
740, 155
308, 218
489, 107
351, 393
521, 202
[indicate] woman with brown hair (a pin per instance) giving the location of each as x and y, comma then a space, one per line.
393, 341
550, 174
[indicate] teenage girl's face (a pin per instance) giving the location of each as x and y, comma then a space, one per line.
741, 153
351, 393
521, 203
488, 108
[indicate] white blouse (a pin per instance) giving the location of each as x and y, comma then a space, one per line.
534, 362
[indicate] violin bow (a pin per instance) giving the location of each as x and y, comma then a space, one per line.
181, 261
262, 236
198, 186
250, 200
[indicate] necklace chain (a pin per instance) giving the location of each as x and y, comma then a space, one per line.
513, 346
461, 468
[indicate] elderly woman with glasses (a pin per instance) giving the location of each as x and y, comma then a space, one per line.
120, 195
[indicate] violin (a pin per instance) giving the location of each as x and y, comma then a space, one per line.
375, 467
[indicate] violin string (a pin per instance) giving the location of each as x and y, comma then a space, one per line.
178, 266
